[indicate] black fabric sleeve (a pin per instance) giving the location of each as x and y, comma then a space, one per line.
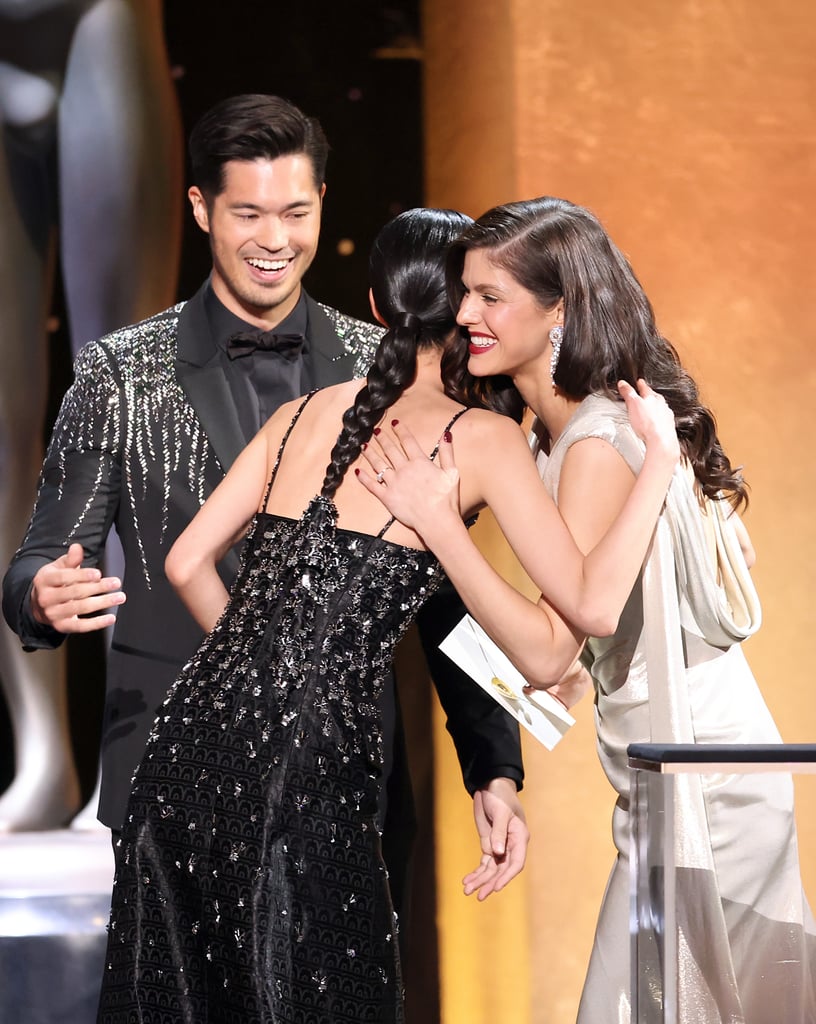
78, 490
486, 737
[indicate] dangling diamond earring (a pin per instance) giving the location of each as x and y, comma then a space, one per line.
556, 337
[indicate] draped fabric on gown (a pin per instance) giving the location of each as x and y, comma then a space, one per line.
675, 672
253, 887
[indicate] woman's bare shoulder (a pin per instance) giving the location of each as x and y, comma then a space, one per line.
482, 426
337, 394
319, 402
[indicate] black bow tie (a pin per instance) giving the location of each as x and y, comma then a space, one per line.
244, 343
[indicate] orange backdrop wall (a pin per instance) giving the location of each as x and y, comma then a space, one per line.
690, 130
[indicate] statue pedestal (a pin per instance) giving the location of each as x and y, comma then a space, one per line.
54, 904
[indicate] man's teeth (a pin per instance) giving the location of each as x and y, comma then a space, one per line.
268, 264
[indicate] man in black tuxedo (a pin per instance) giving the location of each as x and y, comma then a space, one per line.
157, 413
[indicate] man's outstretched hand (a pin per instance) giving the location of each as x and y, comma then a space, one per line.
63, 593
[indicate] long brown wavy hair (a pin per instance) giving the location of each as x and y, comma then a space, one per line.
560, 251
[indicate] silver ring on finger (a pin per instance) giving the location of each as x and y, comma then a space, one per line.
381, 475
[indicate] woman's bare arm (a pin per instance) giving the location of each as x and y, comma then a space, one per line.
220, 523
589, 592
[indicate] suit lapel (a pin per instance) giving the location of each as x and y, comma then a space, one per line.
331, 363
201, 376
199, 372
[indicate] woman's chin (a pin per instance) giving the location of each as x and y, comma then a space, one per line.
478, 366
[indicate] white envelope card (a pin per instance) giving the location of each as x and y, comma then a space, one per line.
475, 653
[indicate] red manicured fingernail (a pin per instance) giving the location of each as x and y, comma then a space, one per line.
394, 422
356, 472
377, 431
448, 436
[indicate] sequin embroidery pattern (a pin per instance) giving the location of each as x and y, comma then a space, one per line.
253, 886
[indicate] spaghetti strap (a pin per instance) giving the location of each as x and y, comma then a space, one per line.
432, 457
284, 439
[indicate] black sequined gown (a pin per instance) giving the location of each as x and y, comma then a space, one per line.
253, 888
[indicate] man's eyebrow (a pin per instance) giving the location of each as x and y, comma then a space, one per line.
305, 201
241, 204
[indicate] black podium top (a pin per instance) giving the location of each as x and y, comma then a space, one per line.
726, 753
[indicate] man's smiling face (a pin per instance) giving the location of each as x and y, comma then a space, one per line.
263, 229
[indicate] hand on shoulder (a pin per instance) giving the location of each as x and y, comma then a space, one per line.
422, 494
429, 496
652, 419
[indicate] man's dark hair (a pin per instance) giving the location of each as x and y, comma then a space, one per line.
253, 127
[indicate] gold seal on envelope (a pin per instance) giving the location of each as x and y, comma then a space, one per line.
503, 688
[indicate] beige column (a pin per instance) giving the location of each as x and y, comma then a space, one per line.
688, 128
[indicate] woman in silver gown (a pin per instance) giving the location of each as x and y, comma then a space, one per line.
547, 298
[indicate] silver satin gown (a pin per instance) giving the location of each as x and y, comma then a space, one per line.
675, 672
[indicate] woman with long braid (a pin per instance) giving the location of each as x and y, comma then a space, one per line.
252, 886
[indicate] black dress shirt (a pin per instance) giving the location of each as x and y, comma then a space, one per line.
263, 380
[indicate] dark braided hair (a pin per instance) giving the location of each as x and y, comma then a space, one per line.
407, 275
557, 250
